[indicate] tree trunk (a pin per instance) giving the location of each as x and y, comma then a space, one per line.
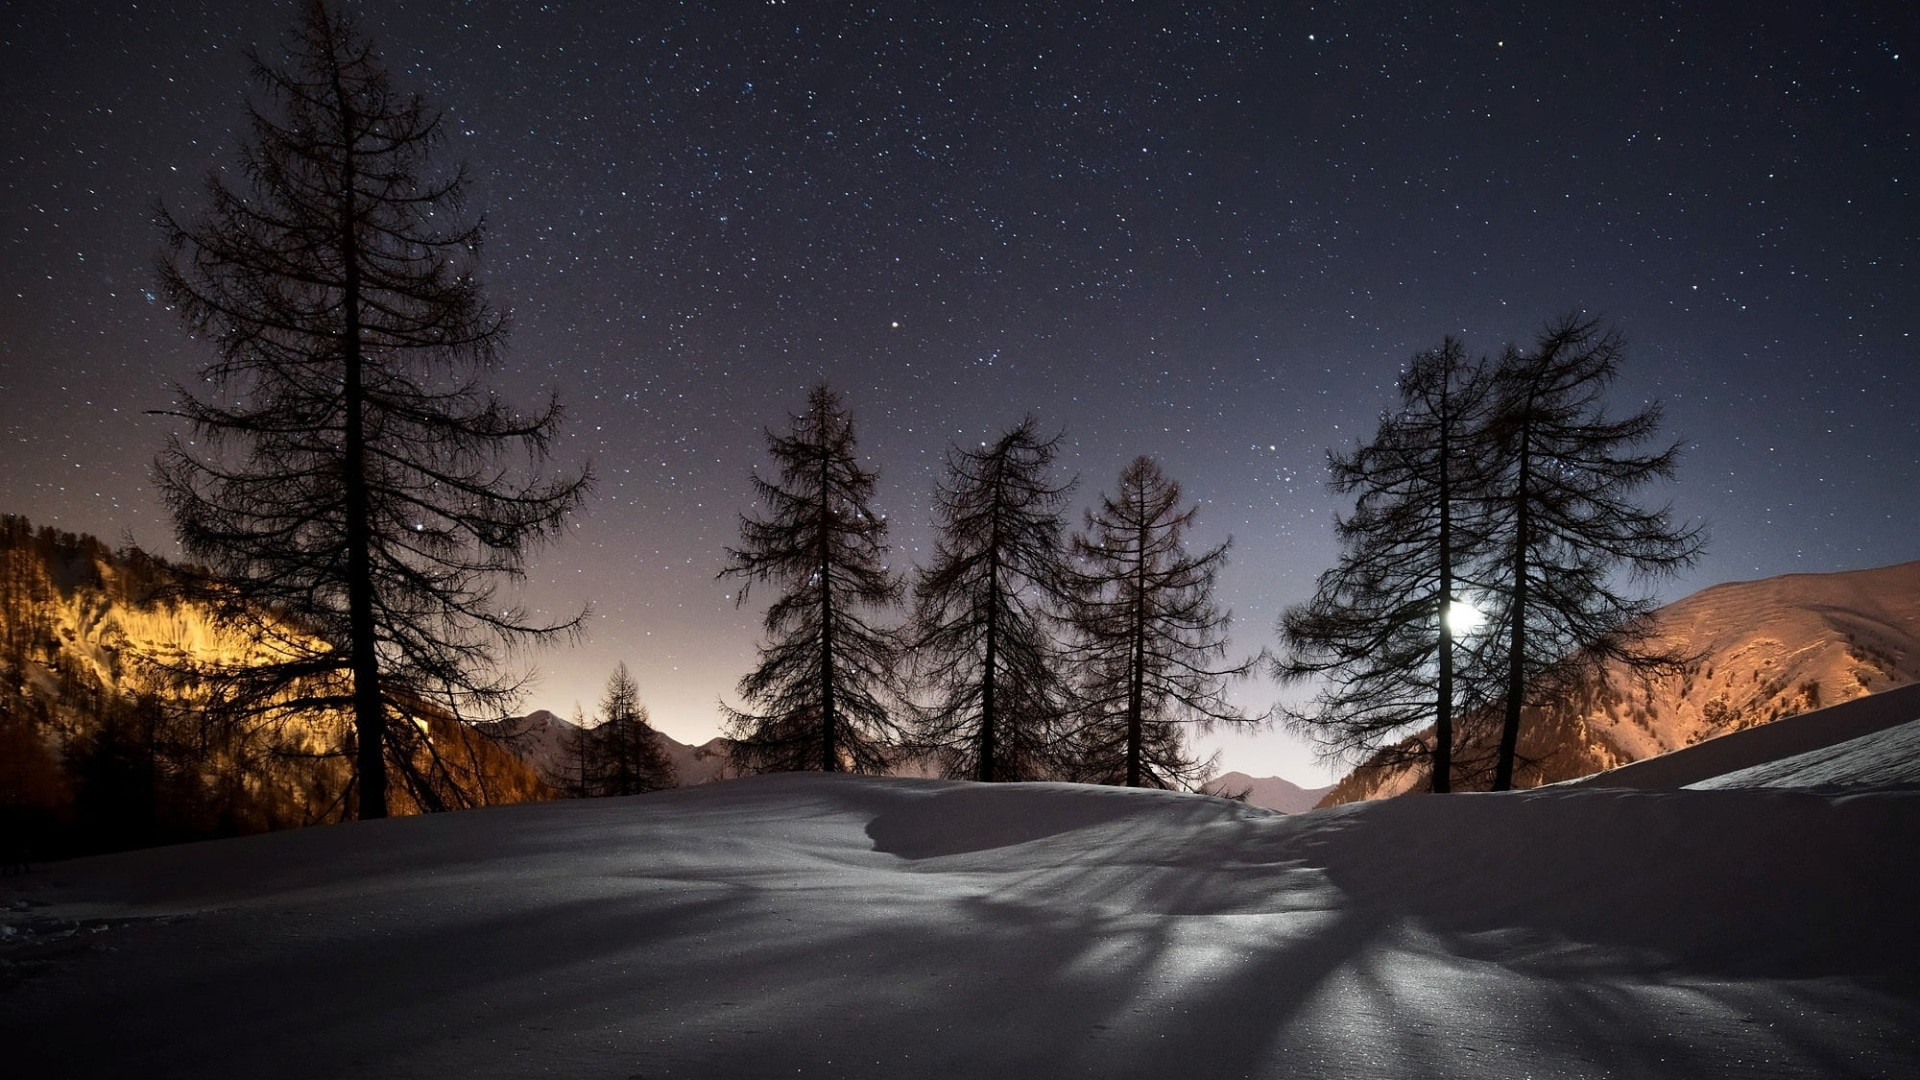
829, 748
1442, 781
369, 712
1517, 619
984, 770
1443, 711
1137, 676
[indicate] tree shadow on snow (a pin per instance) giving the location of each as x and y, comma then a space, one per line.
845, 927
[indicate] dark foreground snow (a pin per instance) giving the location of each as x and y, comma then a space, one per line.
833, 926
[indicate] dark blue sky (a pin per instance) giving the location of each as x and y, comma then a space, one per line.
1207, 233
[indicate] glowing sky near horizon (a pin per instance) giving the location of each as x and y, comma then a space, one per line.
1211, 235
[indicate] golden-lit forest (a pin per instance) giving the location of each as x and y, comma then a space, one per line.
110, 740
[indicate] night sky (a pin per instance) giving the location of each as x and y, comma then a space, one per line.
1209, 233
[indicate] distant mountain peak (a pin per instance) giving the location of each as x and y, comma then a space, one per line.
1271, 792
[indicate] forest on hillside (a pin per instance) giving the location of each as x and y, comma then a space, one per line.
111, 736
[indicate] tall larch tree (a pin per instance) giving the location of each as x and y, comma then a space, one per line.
1566, 521
1379, 635
358, 493
984, 635
818, 699
1149, 644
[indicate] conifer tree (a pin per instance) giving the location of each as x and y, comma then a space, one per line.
1380, 630
583, 779
1565, 519
357, 492
628, 758
1149, 639
983, 627
818, 694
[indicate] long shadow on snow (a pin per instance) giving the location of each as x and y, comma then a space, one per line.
1128, 935
1752, 884
1607, 908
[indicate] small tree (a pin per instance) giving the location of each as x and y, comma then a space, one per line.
825, 668
583, 776
356, 491
1150, 641
982, 630
627, 756
1379, 630
1565, 519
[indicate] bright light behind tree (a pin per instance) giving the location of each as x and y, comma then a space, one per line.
1464, 618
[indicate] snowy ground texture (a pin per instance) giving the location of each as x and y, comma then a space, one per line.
842, 927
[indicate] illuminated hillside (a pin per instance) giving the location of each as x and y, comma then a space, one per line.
106, 734
1768, 649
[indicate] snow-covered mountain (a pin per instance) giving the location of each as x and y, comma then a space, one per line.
540, 739
547, 742
1856, 743
857, 927
1768, 649
1271, 792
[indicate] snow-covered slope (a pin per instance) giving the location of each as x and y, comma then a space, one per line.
809, 925
1888, 758
1768, 649
1769, 743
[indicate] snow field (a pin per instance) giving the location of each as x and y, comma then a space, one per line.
807, 925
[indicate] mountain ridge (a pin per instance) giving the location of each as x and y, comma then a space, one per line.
1270, 792
545, 741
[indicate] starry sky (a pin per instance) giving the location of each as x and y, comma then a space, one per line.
1211, 233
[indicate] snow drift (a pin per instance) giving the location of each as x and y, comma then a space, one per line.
1781, 748
809, 925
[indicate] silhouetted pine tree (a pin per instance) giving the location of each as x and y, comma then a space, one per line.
583, 780
627, 756
1378, 633
1150, 641
825, 668
357, 492
1564, 518
983, 627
